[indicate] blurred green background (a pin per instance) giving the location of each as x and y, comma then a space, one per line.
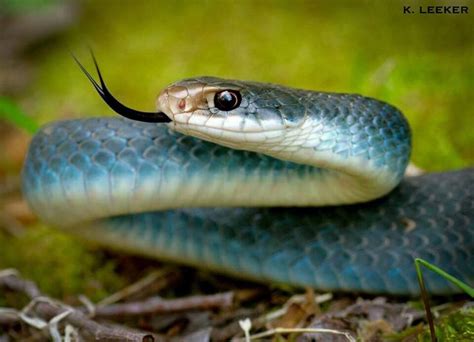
423, 64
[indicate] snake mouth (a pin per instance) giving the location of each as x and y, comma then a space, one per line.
116, 105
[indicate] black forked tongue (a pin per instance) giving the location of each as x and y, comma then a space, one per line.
115, 104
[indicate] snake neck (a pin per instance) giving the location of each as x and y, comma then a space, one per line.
353, 171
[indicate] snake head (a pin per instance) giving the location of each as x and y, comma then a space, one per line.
231, 113
224, 111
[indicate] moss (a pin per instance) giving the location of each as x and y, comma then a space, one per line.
59, 264
457, 327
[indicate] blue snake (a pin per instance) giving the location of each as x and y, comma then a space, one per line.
259, 181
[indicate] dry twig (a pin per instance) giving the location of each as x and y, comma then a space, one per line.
50, 312
165, 276
158, 305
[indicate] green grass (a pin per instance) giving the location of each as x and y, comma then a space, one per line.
422, 64
11, 113
463, 286
441, 329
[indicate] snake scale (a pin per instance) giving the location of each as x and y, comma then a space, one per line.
259, 181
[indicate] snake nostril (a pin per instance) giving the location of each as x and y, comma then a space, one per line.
182, 104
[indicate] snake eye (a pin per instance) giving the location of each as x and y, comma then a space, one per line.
227, 100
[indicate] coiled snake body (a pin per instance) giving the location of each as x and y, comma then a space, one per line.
250, 209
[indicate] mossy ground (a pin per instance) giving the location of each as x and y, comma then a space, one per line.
60, 265
422, 64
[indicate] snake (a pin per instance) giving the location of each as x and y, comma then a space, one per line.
257, 181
